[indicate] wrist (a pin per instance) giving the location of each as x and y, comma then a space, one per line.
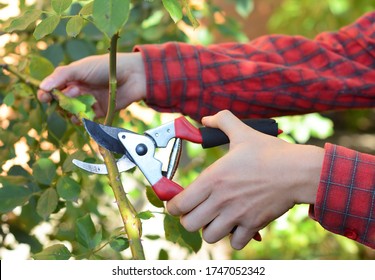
309, 166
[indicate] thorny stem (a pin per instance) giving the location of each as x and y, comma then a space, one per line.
132, 223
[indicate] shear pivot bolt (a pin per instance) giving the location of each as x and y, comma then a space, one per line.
141, 149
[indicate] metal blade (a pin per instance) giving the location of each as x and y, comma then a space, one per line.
106, 136
123, 164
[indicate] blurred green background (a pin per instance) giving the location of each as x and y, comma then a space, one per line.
23, 232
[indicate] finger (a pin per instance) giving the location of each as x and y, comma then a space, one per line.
190, 198
72, 91
44, 96
60, 78
227, 122
241, 237
201, 216
219, 228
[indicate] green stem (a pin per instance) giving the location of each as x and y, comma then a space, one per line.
26, 79
112, 81
132, 224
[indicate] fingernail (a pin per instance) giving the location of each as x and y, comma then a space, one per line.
72, 92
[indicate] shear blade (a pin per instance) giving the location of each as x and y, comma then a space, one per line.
123, 164
106, 136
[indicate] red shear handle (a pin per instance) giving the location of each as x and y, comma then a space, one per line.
185, 130
166, 189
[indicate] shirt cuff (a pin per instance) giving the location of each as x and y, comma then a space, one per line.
345, 198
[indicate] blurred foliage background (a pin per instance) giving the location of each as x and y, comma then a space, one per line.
31, 131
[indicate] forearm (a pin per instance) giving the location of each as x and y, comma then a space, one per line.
271, 76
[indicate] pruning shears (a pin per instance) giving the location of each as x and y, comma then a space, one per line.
139, 149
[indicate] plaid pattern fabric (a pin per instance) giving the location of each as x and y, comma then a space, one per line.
270, 76
278, 75
345, 202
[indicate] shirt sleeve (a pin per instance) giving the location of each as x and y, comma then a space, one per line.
271, 76
345, 202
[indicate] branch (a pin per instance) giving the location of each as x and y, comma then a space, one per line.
26, 79
132, 224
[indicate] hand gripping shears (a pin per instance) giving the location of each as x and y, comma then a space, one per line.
139, 150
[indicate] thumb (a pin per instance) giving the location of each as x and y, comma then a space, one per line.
59, 78
227, 122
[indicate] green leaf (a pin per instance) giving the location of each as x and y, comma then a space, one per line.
46, 26
69, 104
59, 6
176, 233
189, 14
9, 99
87, 9
163, 255
68, 165
174, 9
146, 215
119, 244
12, 196
74, 26
22, 22
40, 67
68, 189
244, 7
44, 171
110, 15
86, 233
47, 203
153, 199
54, 252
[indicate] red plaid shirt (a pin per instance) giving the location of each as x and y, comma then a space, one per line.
283, 75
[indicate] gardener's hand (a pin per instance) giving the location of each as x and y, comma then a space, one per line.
91, 76
260, 179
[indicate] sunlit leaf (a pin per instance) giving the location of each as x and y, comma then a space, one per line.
146, 215
46, 26
54, 252
40, 67
68, 189
22, 22
174, 9
74, 26
152, 198
47, 203
76, 105
110, 15
59, 6
44, 171
87, 9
